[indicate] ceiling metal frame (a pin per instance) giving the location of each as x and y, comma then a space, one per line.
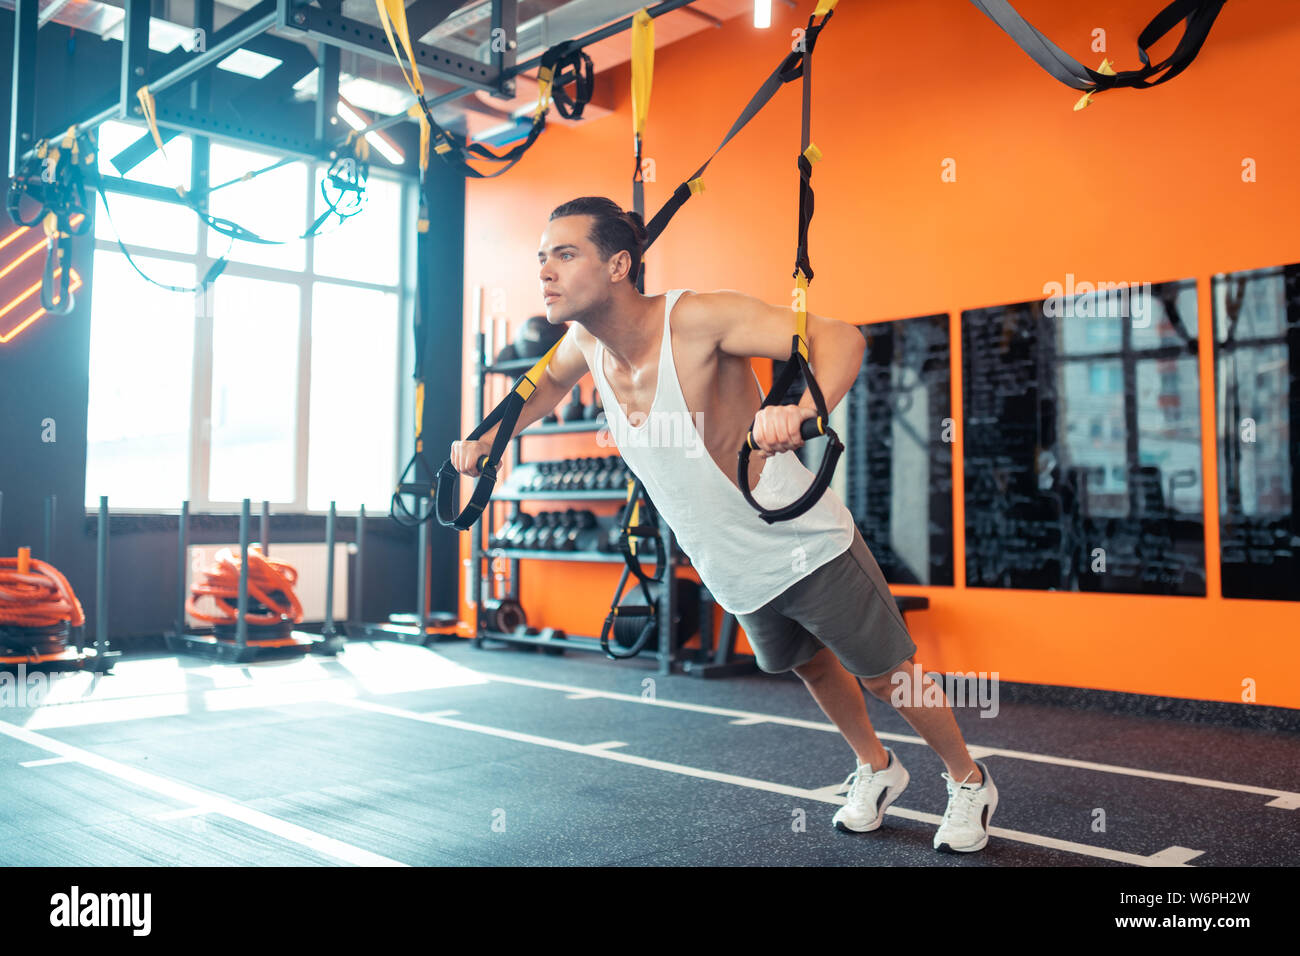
321, 21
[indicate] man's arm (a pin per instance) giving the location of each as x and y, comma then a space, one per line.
566, 366
742, 325
562, 372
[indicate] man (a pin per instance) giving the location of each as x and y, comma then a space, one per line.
808, 593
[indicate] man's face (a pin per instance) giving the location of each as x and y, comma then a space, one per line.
574, 280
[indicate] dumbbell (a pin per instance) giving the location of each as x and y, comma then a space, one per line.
516, 528
529, 538
609, 476
566, 538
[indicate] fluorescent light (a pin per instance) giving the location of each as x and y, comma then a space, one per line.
248, 63
376, 97
762, 14
385, 148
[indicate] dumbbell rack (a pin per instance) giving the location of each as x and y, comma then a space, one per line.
481, 557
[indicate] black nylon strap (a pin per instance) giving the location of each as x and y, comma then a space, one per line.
1198, 16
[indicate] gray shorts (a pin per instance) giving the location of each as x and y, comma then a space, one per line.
844, 605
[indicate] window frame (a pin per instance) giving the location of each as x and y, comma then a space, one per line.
209, 248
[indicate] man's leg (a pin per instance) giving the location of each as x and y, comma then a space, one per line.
840, 698
839, 695
935, 724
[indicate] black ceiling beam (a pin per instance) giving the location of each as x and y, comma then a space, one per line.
423, 15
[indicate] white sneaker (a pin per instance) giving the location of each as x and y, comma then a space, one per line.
870, 793
965, 826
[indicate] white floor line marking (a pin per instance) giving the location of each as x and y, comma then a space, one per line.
590, 750
1287, 799
182, 814
832, 790
197, 798
749, 721
1175, 856
48, 761
609, 745
444, 713
583, 696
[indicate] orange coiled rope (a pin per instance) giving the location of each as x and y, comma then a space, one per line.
35, 594
269, 582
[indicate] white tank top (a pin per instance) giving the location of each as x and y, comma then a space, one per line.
742, 559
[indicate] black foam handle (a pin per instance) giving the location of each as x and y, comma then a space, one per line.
810, 428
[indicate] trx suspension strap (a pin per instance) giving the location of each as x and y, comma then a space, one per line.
507, 413
561, 65
52, 177
790, 69
643, 64
797, 365
638, 525
1196, 15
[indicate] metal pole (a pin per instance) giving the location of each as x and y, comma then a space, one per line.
241, 609
182, 563
266, 528
22, 105
422, 566
51, 503
101, 579
354, 612
328, 629
2, 508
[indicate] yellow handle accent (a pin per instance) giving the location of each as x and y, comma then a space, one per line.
1084, 101
1105, 68
812, 153
696, 186
825, 7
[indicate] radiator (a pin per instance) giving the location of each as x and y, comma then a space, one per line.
307, 559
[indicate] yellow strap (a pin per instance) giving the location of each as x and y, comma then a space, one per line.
643, 65
392, 14
528, 384
424, 145
825, 7
812, 153
419, 414
545, 77
1106, 69
150, 111
70, 142
801, 316
361, 149
51, 225
1084, 101
696, 186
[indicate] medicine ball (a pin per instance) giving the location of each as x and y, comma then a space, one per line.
536, 336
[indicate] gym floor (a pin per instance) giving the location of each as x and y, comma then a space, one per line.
393, 754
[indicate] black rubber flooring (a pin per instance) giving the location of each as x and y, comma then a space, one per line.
457, 756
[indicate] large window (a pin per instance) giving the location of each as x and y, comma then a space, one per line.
283, 382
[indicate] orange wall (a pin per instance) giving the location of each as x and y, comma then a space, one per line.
1141, 186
